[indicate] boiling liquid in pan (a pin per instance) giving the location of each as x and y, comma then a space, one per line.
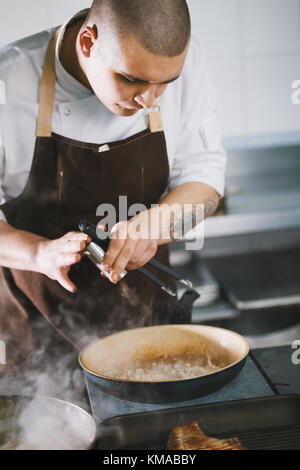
169, 369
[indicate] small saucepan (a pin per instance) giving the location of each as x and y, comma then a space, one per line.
44, 423
166, 363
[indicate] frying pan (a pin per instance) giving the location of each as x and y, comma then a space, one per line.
43, 423
105, 360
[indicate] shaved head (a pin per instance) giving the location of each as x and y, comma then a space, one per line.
129, 51
162, 27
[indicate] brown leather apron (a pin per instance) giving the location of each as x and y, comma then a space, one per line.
68, 181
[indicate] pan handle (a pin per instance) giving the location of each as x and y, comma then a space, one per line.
183, 310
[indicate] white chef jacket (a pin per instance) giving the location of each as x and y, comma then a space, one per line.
188, 106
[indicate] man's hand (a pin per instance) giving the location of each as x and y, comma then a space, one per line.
135, 242
131, 246
54, 258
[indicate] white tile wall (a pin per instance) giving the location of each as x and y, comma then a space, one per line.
19, 18
59, 10
269, 108
216, 22
252, 46
253, 51
270, 26
226, 76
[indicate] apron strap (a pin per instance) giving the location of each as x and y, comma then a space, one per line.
47, 90
47, 93
155, 119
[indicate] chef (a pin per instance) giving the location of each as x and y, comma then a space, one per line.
116, 102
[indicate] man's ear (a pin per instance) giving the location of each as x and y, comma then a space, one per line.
87, 38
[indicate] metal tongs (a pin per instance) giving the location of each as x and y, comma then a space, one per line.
97, 248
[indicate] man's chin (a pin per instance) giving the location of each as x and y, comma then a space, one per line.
123, 111
129, 112
120, 110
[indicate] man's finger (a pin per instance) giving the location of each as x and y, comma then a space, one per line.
73, 246
69, 259
122, 260
65, 282
113, 251
142, 255
73, 236
139, 251
119, 231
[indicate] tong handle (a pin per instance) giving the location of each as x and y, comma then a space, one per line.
94, 232
101, 238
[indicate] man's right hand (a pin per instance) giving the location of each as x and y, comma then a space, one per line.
54, 258
30, 252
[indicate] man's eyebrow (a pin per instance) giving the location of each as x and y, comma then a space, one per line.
137, 79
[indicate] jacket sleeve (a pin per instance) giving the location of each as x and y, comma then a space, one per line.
199, 153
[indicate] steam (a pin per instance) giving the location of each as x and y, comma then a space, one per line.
131, 296
52, 369
51, 425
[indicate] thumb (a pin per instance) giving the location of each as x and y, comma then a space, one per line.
65, 282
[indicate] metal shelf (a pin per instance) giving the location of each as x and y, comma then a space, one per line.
262, 193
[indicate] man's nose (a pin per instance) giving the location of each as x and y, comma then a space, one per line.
147, 97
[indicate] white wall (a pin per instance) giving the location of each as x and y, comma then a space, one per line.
253, 51
20, 18
252, 47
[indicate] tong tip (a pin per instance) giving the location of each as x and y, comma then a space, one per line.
186, 283
168, 291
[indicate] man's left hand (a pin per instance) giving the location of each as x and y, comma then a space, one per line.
131, 246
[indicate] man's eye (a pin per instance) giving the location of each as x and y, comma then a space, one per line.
127, 80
